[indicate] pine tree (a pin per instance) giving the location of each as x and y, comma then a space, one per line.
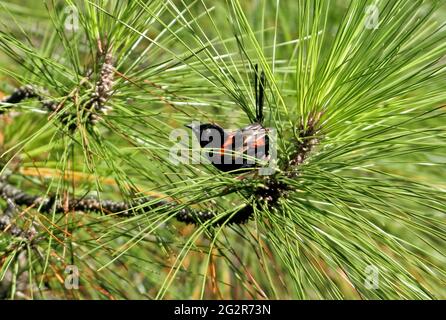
101, 193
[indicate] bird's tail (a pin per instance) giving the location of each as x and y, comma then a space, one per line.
259, 93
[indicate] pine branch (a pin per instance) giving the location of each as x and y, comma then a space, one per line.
28, 92
308, 139
116, 208
6, 223
103, 90
95, 106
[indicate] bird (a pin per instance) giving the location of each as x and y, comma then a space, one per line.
239, 150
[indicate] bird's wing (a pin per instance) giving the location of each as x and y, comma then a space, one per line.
254, 135
251, 138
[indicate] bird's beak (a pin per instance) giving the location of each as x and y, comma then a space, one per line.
188, 126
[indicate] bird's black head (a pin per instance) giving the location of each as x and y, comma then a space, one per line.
208, 134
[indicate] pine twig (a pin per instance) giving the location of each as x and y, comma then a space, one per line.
27, 92
6, 223
103, 90
116, 208
95, 106
307, 139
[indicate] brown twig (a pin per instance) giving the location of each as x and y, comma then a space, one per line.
119, 209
